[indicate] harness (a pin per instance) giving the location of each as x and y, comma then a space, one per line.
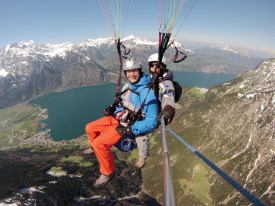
130, 113
127, 142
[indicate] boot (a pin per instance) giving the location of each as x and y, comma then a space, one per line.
103, 180
141, 162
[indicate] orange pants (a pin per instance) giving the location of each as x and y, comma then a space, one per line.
102, 136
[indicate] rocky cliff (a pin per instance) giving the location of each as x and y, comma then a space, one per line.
59, 174
233, 125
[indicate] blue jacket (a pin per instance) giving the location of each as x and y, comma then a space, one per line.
150, 108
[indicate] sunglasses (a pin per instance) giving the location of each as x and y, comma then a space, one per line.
153, 64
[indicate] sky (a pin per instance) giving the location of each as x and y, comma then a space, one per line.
241, 24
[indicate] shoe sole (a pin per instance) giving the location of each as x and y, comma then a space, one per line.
104, 184
140, 166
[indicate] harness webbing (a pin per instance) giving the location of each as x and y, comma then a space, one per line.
136, 114
126, 52
139, 111
163, 45
118, 44
229, 179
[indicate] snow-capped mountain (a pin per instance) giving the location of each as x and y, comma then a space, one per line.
28, 69
230, 50
239, 57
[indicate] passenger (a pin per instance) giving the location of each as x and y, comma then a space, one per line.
121, 119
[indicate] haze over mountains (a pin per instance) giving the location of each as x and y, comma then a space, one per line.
28, 69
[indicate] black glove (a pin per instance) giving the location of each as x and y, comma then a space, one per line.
118, 100
124, 130
109, 111
169, 113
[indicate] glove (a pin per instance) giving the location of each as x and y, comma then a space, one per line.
118, 100
109, 111
169, 113
124, 130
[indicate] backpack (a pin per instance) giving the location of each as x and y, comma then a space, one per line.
178, 90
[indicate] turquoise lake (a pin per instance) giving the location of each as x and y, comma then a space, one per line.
69, 111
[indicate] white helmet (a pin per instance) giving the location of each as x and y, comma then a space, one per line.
132, 63
155, 58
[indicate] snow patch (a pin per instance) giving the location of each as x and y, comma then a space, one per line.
240, 95
3, 73
241, 86
226, 83
228, 49
58, 49
263, 106
139, 40
203, 90
97, 42
251, 96
7, 48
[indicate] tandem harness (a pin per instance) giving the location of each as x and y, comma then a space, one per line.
127, 142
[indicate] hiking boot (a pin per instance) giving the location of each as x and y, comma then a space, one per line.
141, 162
103, 180
89, 151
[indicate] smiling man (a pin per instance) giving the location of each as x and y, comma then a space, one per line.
134, 115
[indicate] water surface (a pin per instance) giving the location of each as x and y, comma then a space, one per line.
69, 111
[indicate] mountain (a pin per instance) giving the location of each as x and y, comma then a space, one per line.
241, 58
231, 124
28, 69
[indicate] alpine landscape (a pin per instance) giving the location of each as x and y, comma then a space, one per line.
232, 124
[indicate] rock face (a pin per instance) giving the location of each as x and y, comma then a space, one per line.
26, 180
233, 125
